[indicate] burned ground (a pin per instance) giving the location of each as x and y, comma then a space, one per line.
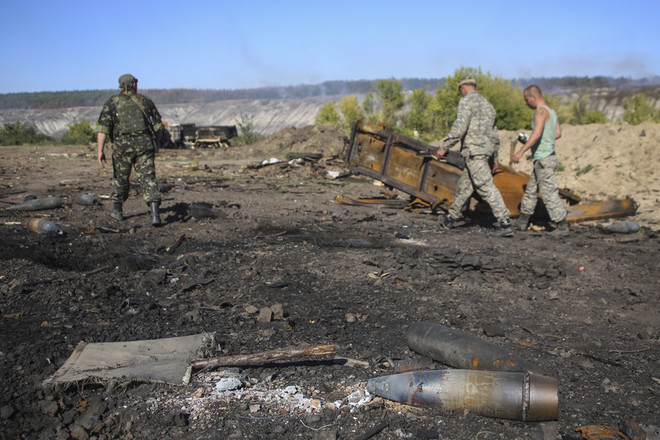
238, 240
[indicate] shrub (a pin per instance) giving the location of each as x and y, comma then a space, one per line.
247, 135
21, 133
581, 114
328, 114
638, 108
79, 134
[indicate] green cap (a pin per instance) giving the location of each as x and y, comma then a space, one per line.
468, 80
126, 81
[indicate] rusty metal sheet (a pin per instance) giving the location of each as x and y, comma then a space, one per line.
601, 210
408, 165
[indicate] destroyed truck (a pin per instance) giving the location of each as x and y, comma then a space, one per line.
409, 165
203, 136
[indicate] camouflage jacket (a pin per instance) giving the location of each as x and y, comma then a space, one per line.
121, 115
474, 127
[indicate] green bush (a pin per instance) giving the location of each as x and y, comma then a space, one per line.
581, 114
22, 133
350, 111
247, 135
638, 108
79, 134
329, 115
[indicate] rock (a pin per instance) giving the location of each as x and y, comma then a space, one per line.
6, 412
48, 407
78, 433
278, 312
624, 227
265, 315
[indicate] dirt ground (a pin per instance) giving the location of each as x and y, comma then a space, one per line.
261, 256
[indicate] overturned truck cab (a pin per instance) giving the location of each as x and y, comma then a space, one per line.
409, 165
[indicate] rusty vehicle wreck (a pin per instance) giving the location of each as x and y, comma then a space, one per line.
409, 165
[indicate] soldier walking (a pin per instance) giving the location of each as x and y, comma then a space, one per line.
475, 128
132, 122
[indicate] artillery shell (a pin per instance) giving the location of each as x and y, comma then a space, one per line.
37, 204
86, 199
462, 350
509, 395
43, 226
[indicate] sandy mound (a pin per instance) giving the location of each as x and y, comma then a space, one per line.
600, 162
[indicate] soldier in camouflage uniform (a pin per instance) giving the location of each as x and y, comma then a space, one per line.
130, 120
545, 130
475, 128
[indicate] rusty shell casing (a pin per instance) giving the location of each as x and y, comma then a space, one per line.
462, 350
508, 395
43, 226
38, 204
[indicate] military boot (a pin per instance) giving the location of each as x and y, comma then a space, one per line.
521, 223
505, 230
561, 230
117, 212
155, 213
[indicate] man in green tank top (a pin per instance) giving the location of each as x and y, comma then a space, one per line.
545, 130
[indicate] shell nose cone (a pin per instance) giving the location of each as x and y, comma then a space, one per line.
379, 386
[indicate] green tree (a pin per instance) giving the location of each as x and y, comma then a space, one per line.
638, 108
416, 121
369, 108
512, 112
392, 99
350, 111
328, 114
79, 134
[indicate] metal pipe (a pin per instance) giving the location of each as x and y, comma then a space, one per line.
462, 350
509, 395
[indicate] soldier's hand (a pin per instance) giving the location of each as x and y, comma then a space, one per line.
102, 160
440, 153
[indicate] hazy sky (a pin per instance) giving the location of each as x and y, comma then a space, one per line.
51, 45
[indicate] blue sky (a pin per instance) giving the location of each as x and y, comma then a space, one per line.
80, 45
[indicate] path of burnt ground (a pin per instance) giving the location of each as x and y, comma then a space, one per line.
352, 276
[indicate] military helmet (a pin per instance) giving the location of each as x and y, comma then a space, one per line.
468, 80
126, 81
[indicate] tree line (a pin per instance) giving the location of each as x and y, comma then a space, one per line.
85, 98
429, 115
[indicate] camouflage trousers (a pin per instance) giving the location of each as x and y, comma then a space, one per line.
134, 152
543, 181
477, 176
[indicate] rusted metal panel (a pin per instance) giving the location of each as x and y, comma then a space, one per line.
601, 210
408, 165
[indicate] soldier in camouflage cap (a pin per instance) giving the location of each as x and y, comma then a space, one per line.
131, 121
475, 128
